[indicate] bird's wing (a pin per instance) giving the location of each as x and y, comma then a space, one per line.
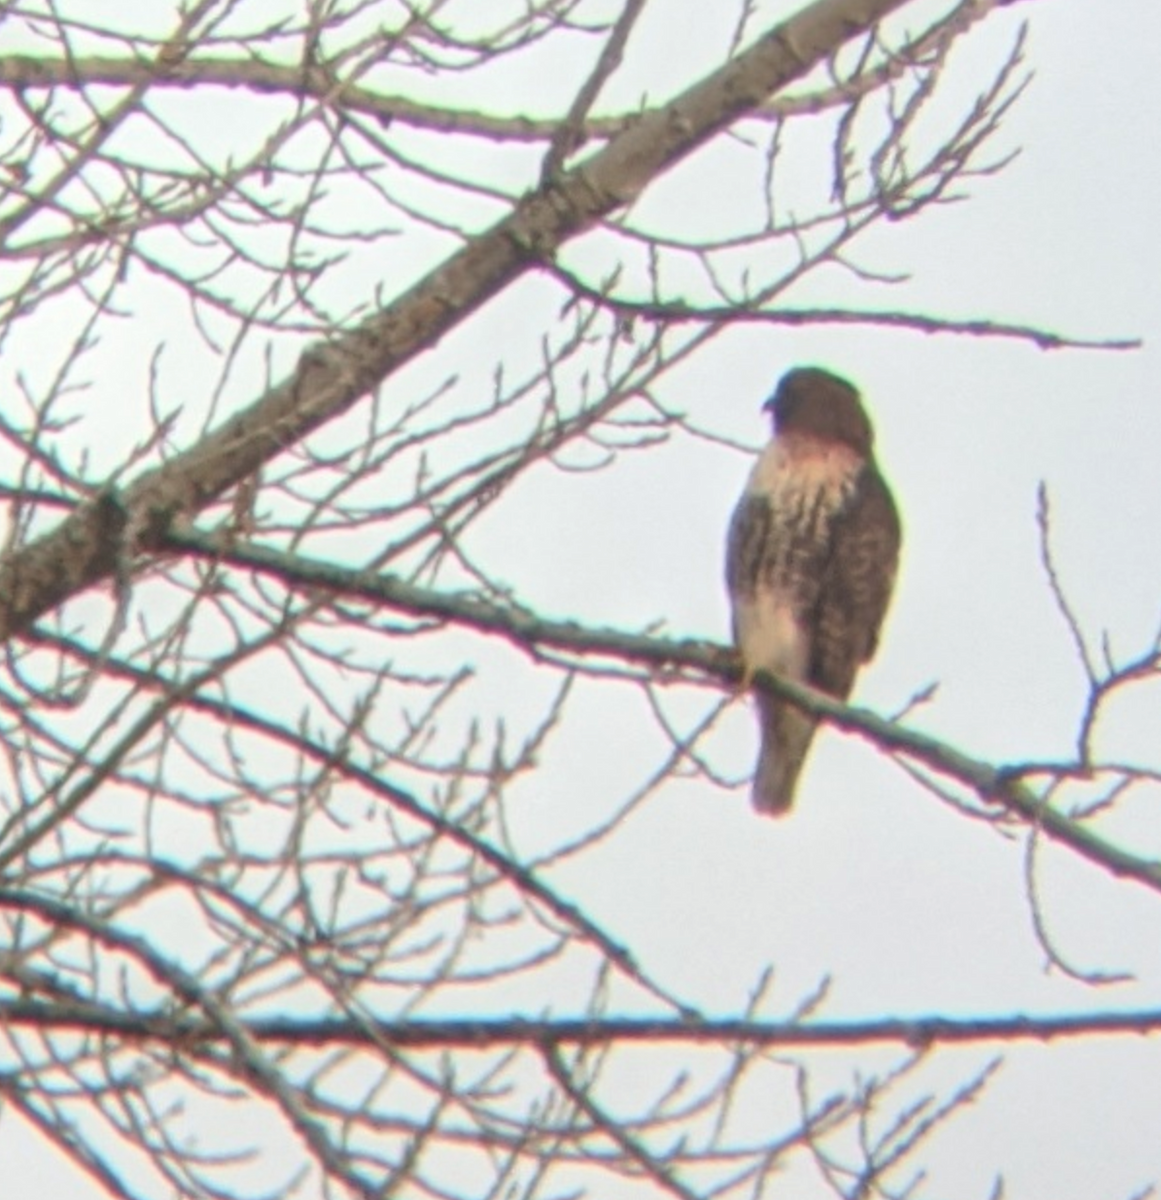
745, 545
856, 585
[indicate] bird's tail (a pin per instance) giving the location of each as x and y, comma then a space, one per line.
786, 733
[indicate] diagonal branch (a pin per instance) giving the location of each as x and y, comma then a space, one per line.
247, 1059
331, 376
526, 629
570, 134
662, 1174
524, 877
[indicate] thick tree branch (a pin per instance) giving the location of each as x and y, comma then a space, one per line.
333, 375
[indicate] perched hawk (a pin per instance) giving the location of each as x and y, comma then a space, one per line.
810, 563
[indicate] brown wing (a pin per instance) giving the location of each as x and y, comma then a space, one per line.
746, 544
855, 586
765, 551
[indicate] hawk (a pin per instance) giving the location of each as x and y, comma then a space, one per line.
810, 563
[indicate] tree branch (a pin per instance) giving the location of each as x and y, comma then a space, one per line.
718, 314
19, 71
333, 375
528, 630
569, 134
420, 1033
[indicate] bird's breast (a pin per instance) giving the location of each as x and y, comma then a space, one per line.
802, 472
805, 489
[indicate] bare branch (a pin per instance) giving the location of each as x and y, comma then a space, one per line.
674, 312
533, 632
919, 1032
570, 133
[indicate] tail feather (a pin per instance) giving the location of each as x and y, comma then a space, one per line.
786, 734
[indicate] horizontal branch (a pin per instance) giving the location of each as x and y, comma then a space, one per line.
251, 73
20, 71
511, 1031
279, 79
725, 314
526, 629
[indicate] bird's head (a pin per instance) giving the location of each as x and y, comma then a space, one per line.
811, 400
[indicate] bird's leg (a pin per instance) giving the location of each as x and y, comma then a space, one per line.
746, 671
